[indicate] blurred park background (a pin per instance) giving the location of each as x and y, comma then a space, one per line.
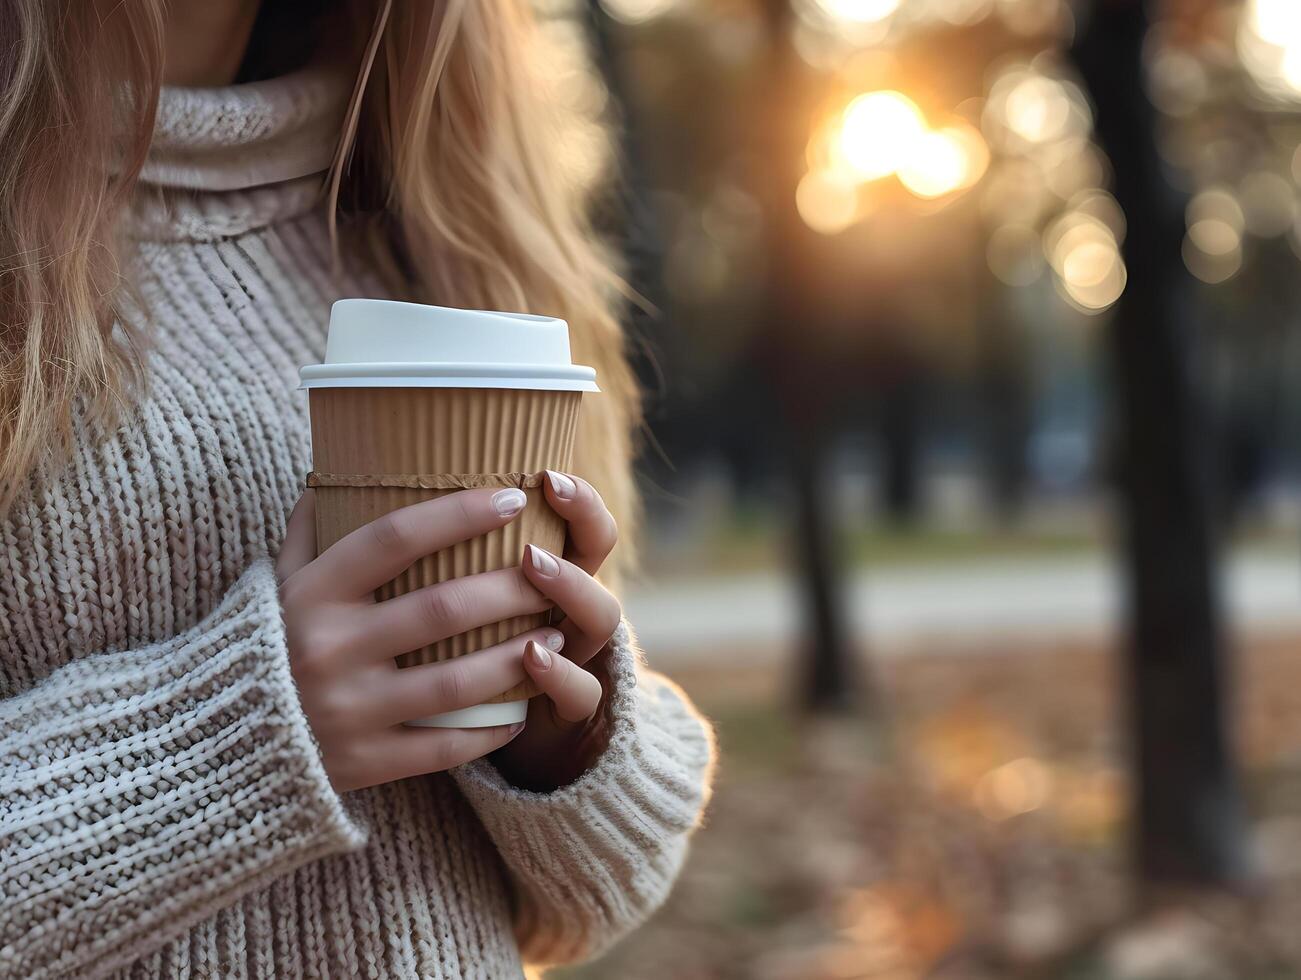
970, 340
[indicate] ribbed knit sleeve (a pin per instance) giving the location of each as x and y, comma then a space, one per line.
592, 860
143, 790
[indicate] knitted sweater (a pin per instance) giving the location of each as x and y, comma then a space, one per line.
163, 807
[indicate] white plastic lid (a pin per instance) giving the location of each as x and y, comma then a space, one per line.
378, 343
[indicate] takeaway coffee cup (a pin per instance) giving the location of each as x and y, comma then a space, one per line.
414, 402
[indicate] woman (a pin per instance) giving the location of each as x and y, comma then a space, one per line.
203, 770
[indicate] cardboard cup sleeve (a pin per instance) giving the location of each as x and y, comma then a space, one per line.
376, 450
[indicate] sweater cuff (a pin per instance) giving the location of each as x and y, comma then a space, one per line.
146, 789
592, 859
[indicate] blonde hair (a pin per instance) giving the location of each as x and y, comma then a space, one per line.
448, 161
83, 94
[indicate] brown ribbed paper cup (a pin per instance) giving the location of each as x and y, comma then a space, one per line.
378, 447
414, 444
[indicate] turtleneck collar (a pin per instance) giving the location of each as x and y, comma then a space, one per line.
232, 158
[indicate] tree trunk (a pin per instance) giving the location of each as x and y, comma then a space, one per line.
901, 428
1005, 388
1189, 820
796, 369
829, 679
641, 240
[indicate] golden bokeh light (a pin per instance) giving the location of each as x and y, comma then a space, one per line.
1071, 230
974, 149
1290, 67
1089, 264
964, 12
827, 201
1218, 203
1269, 43
1097, 203
1217, 220
1214, 237
1030, 112
1016, 787
877, 132
1178, 81
1102, 278
1101, 294
1276, 22
1031, 18
938, 164
1212, 267
1037, 109
878, 135
1085, 254
859, 11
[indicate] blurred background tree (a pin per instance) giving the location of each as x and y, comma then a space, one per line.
1190, 821
933, 275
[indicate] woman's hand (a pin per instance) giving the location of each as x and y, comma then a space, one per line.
563, 734
342, 642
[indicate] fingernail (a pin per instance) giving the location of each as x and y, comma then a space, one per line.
555, 641
544, 562
540, 658
516, 728
510, 502
561, 485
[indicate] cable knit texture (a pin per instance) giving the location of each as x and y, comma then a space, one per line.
163, 808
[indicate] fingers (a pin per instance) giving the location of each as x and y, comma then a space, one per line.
378, 552
399, 753
299, 545
591, 613
408, 622
575, 694
415, 692
592, 531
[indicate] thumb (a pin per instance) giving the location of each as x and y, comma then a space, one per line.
575, 693
299, 545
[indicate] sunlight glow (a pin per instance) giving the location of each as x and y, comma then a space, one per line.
1290, 66
877, 133
827, 201
936, 166
974, 149
859, 11
1269, 41
1276, 22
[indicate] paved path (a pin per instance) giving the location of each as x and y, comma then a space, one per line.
897, 609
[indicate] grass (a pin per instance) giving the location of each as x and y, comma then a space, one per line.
744, 547
755, 540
